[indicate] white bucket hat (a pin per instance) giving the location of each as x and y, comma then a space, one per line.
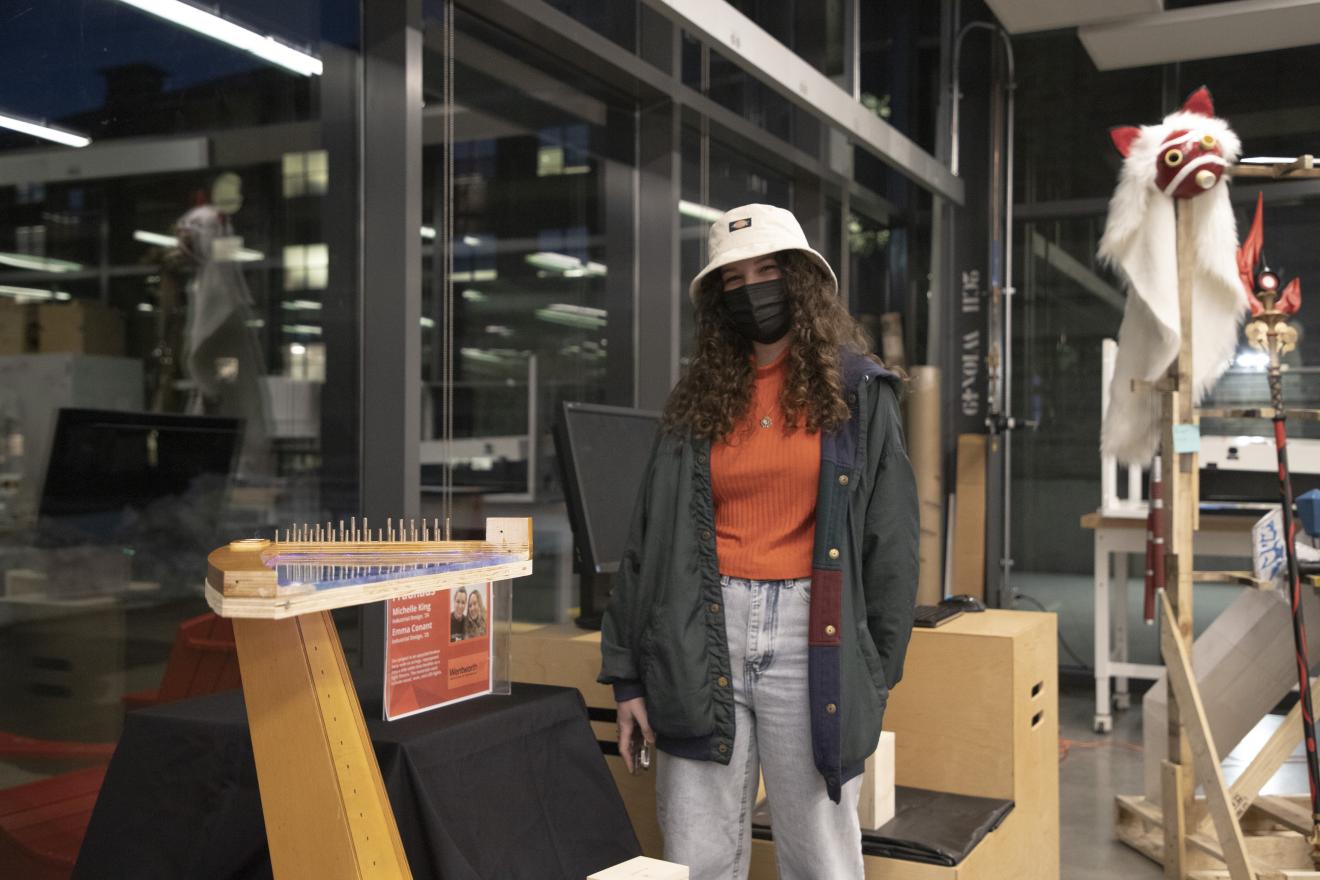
751, 231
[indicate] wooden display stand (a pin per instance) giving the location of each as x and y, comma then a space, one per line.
326, 811
1177, 831
975, 714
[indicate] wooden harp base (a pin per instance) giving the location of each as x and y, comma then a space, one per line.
326, 811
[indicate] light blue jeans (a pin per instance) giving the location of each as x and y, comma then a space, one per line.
705, 809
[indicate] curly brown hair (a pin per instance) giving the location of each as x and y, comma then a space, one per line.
713, 396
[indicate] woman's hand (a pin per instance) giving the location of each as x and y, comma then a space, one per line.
632, 724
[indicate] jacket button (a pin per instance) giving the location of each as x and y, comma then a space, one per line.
714, 607
701, 459
829, 630
723, 681
705, 534
843, 479
852, 398
830, 708
834, 553
724, 748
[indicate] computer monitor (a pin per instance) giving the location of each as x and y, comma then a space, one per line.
602, 453
151, 483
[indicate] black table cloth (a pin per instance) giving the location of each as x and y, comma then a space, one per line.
497, 787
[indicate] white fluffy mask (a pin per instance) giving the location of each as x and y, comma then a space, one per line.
1183, 160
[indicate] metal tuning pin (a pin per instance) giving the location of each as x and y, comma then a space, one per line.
435, 529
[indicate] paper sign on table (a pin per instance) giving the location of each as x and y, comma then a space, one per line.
437, 649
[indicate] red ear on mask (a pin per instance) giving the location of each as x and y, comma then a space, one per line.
1200, 102
1123, 136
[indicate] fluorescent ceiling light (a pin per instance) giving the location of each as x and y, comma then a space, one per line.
308, 304
1268, 160
145, 307
39, 264
58, 135
474, 296
428, 323
471, 240
570, 267
307, 329
31, 294
211, 25
699, 211
155, 238
582, 317
238, 255
428, 233
476, 275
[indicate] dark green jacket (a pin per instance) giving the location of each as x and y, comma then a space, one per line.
663, 634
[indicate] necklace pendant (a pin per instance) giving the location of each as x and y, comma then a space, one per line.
766, 422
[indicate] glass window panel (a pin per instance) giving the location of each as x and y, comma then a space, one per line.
543, 282
167, 275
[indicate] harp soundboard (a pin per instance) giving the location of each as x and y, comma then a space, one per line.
326, 810
322, 567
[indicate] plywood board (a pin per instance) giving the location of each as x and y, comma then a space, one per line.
922, 403
969, 516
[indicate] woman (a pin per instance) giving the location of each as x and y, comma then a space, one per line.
764, 599
475, 625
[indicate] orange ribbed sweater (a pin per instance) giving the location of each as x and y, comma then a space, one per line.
764, 483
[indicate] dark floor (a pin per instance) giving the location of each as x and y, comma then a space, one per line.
1093, 769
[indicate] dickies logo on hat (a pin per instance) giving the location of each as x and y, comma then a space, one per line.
742, 223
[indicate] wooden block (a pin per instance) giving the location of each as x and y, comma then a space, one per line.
83, 327
16, 328
969, 516
643, 868
875, 806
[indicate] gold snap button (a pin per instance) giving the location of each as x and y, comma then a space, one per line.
843, 479
834, 553
724, 749
705, 534
829, 630
830, 708
714, 607
724, 681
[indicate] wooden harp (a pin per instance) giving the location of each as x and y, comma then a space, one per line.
326, 812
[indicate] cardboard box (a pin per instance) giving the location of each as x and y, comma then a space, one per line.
84, 327
15, 327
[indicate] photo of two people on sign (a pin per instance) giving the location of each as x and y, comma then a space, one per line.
467, 619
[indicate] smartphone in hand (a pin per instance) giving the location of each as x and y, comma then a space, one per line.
641, 753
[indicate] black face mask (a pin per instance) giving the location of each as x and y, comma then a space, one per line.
760, 311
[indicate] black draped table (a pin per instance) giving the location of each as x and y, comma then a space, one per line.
497, 787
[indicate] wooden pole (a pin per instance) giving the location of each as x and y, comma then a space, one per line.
1180, 477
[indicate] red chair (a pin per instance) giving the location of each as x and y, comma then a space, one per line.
42, 823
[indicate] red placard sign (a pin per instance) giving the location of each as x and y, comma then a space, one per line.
437, 649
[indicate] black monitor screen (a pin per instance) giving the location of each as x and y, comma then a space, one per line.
151, 483
604, 451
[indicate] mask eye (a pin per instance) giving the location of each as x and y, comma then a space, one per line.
1208, 141
1173, 158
